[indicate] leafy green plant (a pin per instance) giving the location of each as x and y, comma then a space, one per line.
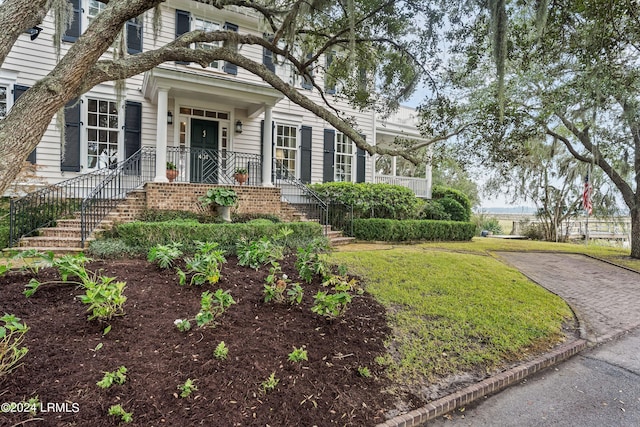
32, 260
258, 252
295, 293
270, 383
12, 333
118, 411
341, 284
183, 325
298, 355
221, 351
220, 196
309, 263
212, 306
364, 372
104, 297
276, 285
204, 267
187, 388
165, 255
331, 306
119, 376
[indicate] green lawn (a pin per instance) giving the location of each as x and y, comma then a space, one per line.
454, 307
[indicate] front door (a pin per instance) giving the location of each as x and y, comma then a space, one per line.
204, 151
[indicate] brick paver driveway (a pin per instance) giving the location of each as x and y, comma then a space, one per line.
605, 298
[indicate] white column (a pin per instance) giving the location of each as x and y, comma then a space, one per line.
161, 136
394, 161
428, 172
267, 142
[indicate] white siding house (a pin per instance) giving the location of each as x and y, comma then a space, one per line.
206, 121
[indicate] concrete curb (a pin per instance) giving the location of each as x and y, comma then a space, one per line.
491, 385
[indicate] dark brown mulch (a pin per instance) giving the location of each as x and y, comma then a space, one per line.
63, 366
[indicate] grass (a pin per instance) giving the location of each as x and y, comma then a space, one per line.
454, 307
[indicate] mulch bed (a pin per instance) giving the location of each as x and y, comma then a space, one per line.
63, 364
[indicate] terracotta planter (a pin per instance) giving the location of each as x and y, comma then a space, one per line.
172, 174
241, 177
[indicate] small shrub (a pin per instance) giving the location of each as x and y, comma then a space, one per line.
187, 388
331, 306
258, 252
118, 411
439, 192
412, 230
221, 351
212, 306
364, 372
309, 262
434, 210
165, 255
110, 248
298, 355
118, 376
104, 297
204, 267
4, 237
454, 209
270, 383
12, 333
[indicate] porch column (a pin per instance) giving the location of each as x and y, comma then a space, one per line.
267, 142
394, 164
161, 136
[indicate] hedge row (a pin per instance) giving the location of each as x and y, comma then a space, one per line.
371, 200
141, 236
4, 237
390, 230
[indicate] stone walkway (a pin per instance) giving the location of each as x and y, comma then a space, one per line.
605, 298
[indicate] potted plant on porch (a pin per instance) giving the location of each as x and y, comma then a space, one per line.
241, 175
222, 199
172, 171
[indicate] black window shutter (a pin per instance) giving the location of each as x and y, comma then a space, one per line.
183, 25
305, 154
134, 36
329, 81
70, 161
361, 166
329, 155
73, 32
306, 81
267, 56
18, 90
132, 133
230, 68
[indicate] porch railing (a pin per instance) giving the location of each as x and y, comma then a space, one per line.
214, 166
44, 207
297, 194
418, 185
120, 181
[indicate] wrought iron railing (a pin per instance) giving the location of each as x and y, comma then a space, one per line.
298, 195
44, 207
120, 181
214, 166
340, 217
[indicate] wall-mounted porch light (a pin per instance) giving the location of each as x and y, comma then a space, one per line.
169, 118
34, 32
238, 126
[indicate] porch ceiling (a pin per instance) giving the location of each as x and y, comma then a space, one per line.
190, 84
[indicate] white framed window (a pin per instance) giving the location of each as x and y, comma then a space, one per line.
206, 25
103, 136
4, 100
287, 147
94, 8
344, 158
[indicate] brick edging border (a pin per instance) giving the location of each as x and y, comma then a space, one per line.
485, 387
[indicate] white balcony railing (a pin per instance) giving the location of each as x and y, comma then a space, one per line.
420, 186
